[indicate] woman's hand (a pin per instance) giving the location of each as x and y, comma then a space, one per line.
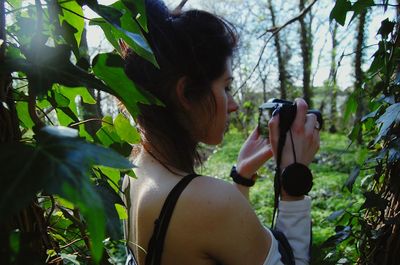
253, 154
305, 136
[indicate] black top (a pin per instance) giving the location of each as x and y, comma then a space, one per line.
156, 243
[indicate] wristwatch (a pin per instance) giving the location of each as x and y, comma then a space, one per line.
237, 178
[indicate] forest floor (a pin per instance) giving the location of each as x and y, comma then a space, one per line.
331, 168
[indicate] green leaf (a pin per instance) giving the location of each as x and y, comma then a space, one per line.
107, 134
339, 11
122, 212
391, 116
60, 164
373, 200
351, 107
68, 32
386, 28
125, 130
72, 92
352, 178
371, 114
124, 28
342, 233
109, 67
23, 115
48, 65
333, 216
138, 9
355, 131
74, 18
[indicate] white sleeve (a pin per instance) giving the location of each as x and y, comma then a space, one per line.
294, 220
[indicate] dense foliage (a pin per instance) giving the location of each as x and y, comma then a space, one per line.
374, 228
58, 182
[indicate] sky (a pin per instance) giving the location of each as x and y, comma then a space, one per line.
322, 43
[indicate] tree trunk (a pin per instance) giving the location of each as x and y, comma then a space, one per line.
281, 62
359, 75
333, 86
306, 53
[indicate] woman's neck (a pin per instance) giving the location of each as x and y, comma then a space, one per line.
146, 159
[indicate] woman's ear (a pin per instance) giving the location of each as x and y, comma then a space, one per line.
180, 92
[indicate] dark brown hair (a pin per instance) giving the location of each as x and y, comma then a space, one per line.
195, 45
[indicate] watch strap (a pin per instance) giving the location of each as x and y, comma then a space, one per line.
237, 178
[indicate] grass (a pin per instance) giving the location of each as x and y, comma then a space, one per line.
332, 166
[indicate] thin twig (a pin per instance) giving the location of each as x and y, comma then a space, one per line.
45, 113
303, 12
89, 120
71, 243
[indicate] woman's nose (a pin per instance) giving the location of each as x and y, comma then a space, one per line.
232, 105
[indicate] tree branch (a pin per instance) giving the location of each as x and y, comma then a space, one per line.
276, 29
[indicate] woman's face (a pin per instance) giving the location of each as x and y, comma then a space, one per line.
215, 126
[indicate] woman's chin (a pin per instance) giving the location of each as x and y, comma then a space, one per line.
213, 140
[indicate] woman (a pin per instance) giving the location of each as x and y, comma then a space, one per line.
210, 221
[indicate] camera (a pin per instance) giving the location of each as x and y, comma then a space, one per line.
287, 113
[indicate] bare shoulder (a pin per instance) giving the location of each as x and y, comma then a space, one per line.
215, 194
221, 216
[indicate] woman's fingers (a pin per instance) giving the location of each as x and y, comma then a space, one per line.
273, 125
300, 119
310, 125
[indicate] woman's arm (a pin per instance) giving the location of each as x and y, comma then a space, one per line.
254, 153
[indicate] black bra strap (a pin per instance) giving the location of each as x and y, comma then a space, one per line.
156, 243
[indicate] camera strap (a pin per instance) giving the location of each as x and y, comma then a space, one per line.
277, 179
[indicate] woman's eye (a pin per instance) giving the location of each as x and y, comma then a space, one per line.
227, 89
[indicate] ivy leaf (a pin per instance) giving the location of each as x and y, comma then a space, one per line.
335, 215
391, 116
109, 67
72, 13
108, 136
339, 11
49, 65
125, 130
342, 233
351, 107
386, 28
23, 115
68, 32
124, 28
373, 200
138, 9
60, 164
371, 114
352, 178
